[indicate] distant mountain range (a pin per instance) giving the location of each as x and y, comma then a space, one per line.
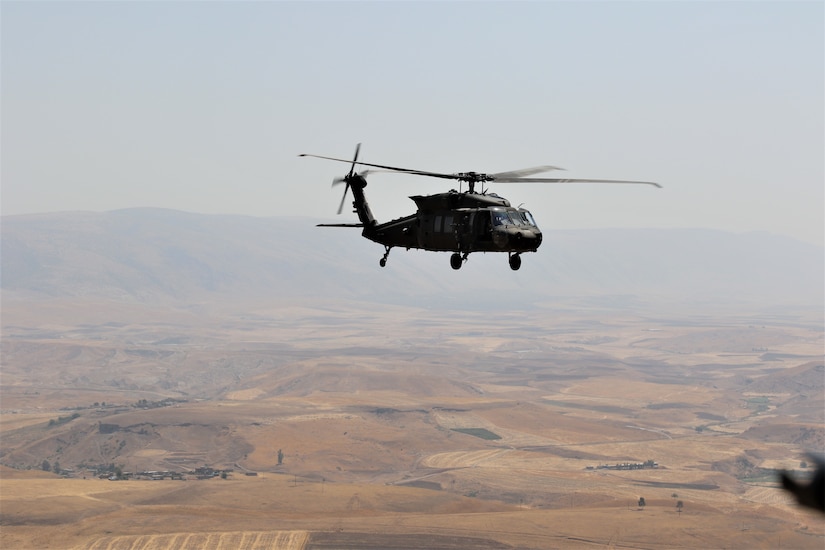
163, 256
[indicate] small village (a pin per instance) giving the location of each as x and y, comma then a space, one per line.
648, 464
117, 474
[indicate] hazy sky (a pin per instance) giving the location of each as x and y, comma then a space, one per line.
204, 107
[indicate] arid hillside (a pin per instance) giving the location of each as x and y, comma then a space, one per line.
407, 424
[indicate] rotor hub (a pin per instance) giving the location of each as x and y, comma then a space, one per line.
471, 178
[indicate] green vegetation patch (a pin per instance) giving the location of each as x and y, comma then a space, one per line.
63, 419
478, 432
761, 400
759, 404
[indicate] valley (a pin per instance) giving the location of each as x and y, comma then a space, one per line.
346, 426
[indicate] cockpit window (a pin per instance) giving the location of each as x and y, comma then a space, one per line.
516, 217
528, 217
501, 218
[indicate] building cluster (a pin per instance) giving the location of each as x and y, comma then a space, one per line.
626, 466
204, 472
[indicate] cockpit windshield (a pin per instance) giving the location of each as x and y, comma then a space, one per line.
516, 217
528, 217
513, 217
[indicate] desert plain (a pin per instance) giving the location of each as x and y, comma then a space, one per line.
346, 425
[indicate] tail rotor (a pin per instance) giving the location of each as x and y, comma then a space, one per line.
347, 179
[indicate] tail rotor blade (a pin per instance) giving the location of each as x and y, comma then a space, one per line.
354, 160
343, 199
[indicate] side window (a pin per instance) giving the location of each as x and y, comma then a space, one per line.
437, 225
527, 217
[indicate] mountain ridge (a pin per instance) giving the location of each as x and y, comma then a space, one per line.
159, 255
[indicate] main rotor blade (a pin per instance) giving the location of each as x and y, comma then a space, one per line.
391, 168
524, 172
501, 177
560, 180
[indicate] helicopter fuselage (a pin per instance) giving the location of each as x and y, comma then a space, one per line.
455, 221
460, 222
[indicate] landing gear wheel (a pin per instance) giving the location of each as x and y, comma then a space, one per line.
383, 261
456, 260
515, 262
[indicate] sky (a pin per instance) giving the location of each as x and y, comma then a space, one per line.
205, 106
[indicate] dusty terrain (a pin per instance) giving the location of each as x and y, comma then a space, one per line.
403, 427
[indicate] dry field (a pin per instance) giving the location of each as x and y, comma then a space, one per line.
403, 428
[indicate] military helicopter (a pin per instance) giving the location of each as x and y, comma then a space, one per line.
460, 222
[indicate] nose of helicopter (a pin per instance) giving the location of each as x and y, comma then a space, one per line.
524, 239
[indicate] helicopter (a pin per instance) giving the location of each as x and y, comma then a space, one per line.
460, 222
